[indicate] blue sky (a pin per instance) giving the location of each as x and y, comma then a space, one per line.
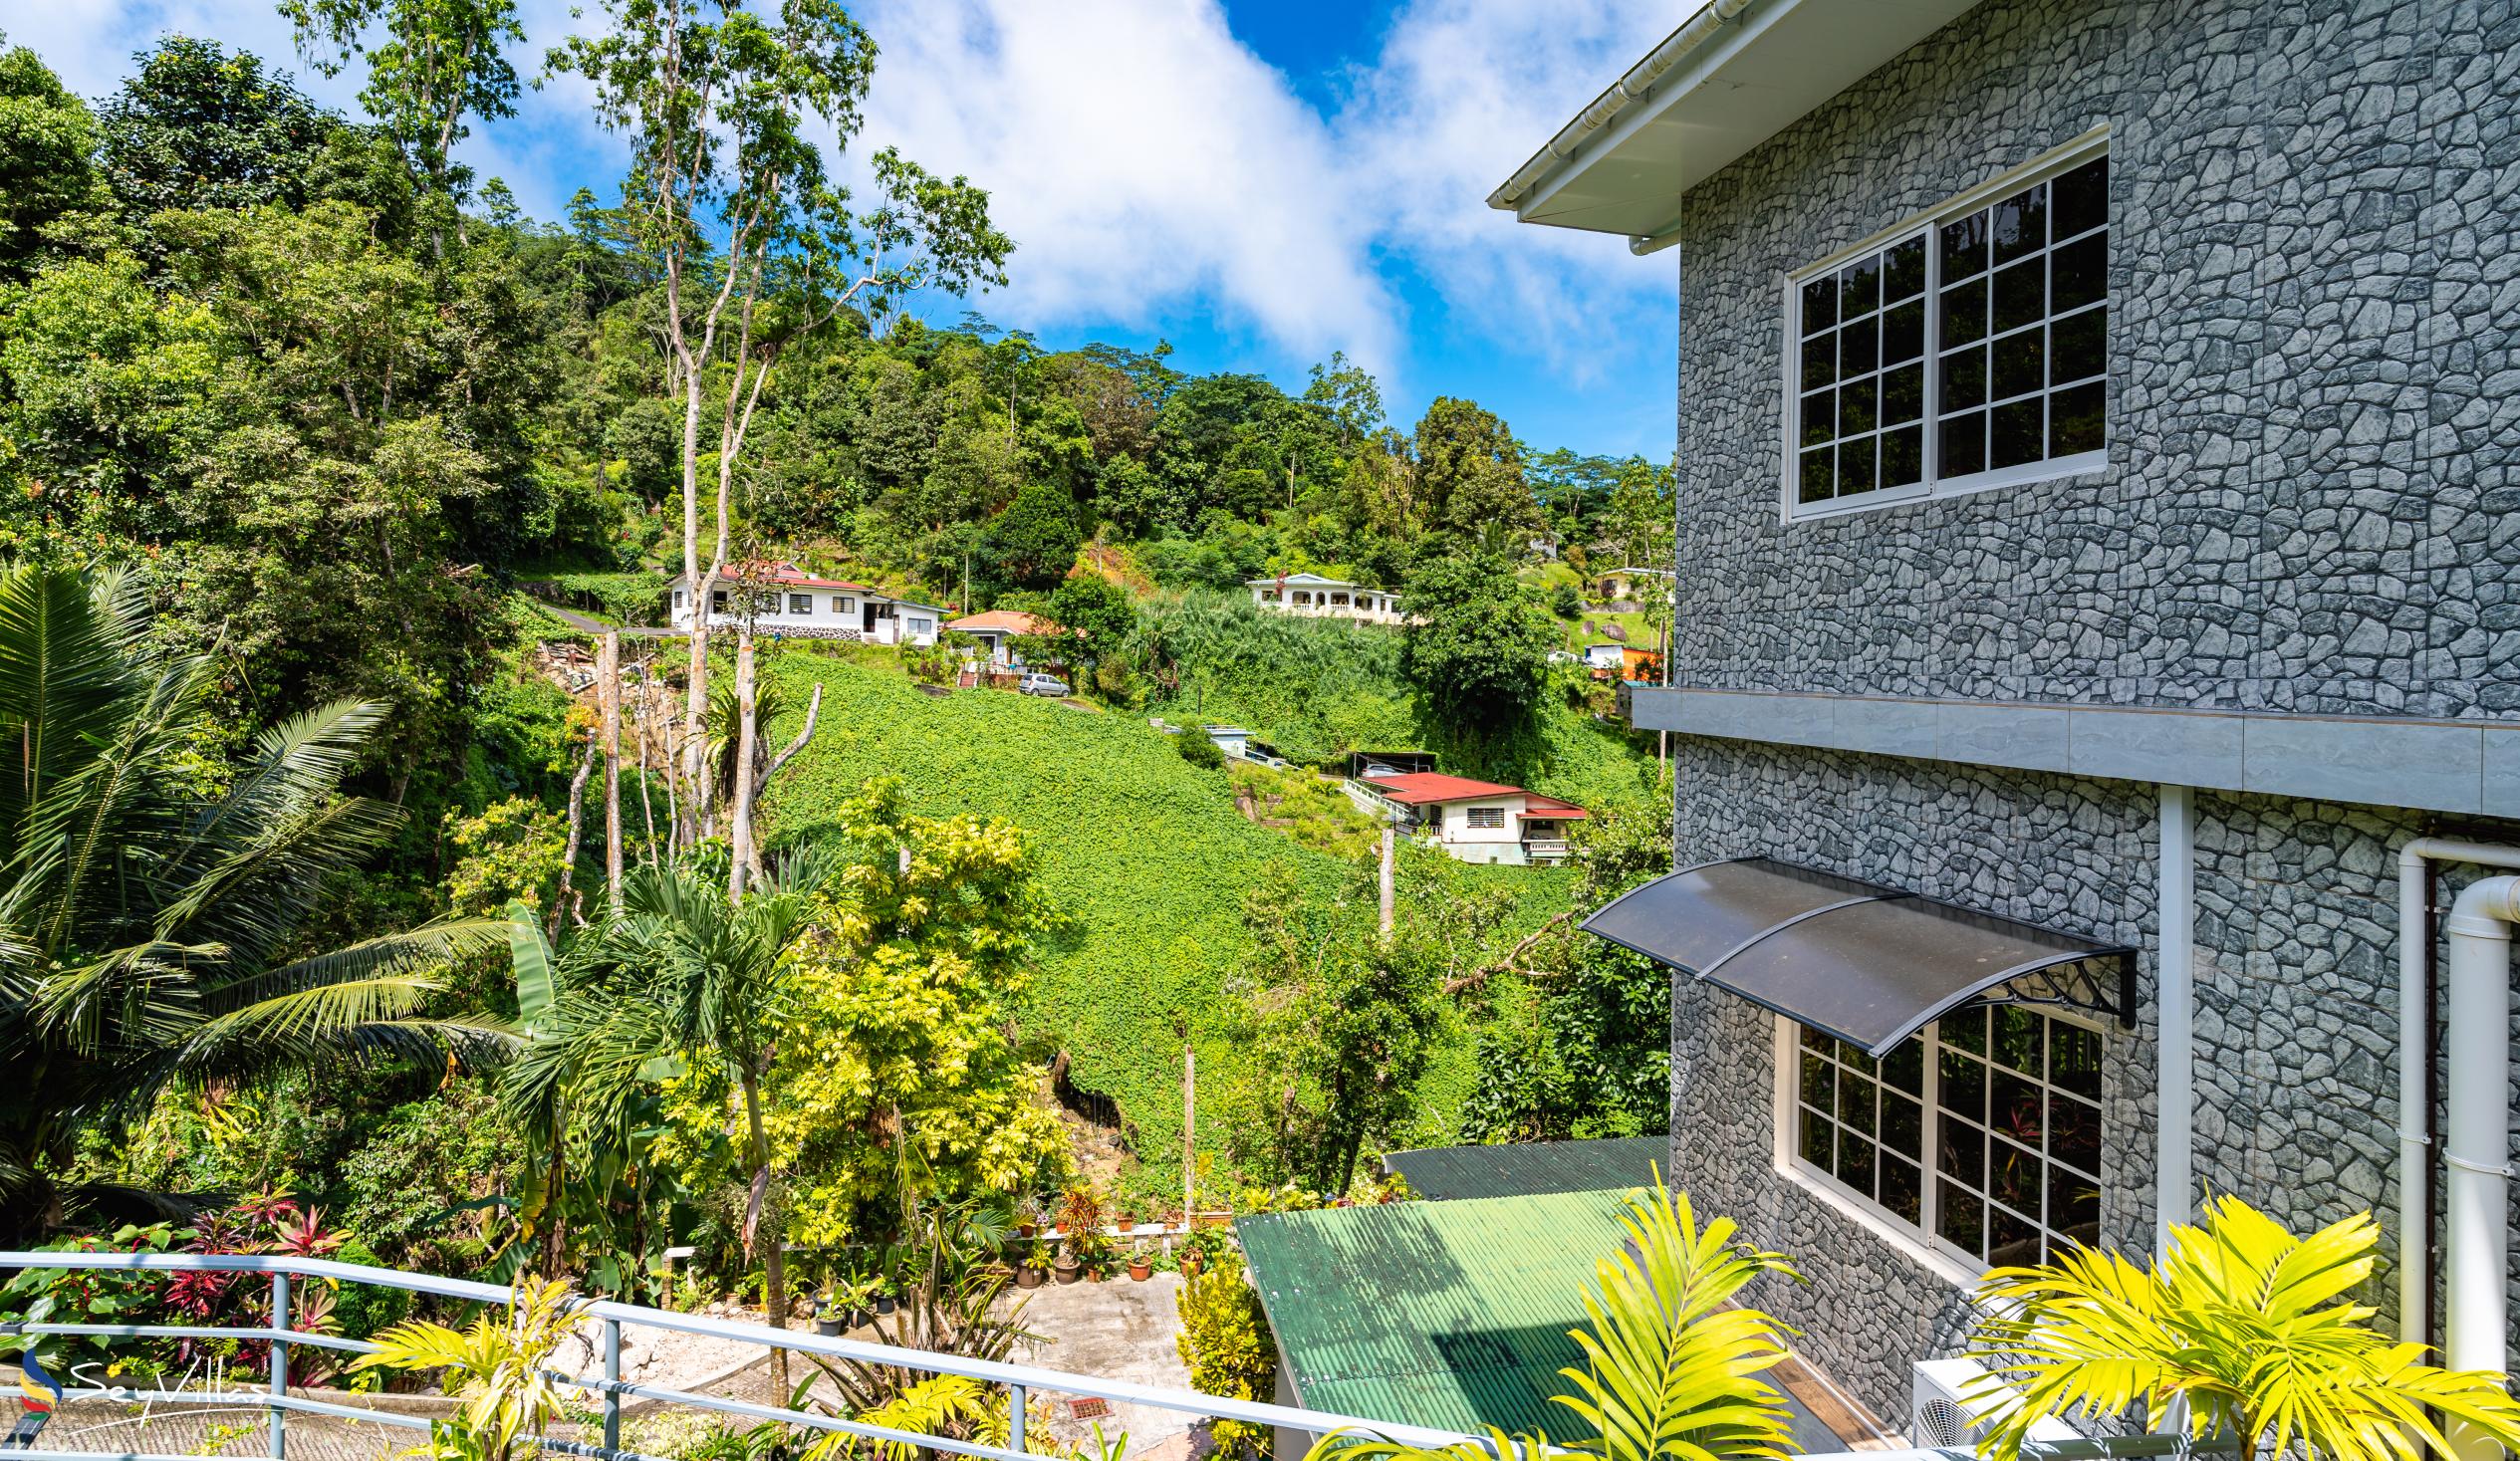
1258, 182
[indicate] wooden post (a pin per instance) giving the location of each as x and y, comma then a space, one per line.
741, 800
1387, 881
607, 681
1189, 1137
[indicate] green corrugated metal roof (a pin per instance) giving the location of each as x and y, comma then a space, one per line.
1528, 1168
1442, 1314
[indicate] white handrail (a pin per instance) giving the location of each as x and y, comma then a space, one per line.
1023, 1379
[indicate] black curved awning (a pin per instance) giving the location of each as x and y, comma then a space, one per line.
1869, 964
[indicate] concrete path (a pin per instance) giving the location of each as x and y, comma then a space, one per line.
1115, 1329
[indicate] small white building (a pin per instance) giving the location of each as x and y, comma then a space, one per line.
1317, 596
778, 597
997, 630
1479, 821
1605, 655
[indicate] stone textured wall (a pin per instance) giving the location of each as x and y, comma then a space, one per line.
2068, 853
2296, 1102
2311, 497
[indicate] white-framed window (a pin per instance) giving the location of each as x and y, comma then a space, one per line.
678, 597
1988, 1152
842, 603
800, 603
922, 625
1966, 349
1483, 817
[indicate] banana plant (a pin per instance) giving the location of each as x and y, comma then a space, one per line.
2252, 1327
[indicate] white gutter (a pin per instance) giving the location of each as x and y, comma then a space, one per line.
2477, 1190
1623, 94
2176, 975
2414, 1064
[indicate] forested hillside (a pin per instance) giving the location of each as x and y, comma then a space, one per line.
315, 420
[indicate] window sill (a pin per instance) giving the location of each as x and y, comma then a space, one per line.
1907, 1244
2091, 464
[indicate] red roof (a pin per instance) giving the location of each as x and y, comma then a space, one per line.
1421, 787
1004, 621
780, 573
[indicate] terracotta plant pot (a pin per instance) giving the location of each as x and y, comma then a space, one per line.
1060, 1227
1095, 1274
1127, 1221
1023, 1230
1191, 1265
1028, 1277
1141, 1269
1068, 1272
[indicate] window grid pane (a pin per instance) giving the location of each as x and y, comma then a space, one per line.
1985, 1131
1862, 328
2028, 275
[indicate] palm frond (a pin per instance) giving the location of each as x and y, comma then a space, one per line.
2250, 1325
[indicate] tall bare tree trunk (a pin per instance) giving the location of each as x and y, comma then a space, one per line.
608, 679
577, 821
748, 738
773, 1230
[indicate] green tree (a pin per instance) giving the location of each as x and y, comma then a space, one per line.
1477, 645
2254, 1329
1098, 613
1340, 1024
679, 972
438, 61
47, 137
1470, 473
1031, 544
154, 904
199, 127
728, 193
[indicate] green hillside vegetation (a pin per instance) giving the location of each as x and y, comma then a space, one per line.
1144, 855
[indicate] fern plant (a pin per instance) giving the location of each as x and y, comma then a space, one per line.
1671, 1364
2252, 1327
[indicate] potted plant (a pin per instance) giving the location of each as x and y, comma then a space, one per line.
829, 1322
1191, 1262
1141, 1267
1034, 1268
886, 1292
1068, 1268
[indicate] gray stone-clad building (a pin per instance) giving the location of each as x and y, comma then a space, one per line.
2097, 434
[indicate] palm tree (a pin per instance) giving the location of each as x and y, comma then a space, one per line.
1672, 1365
153, 908
678, 970
2248, 1325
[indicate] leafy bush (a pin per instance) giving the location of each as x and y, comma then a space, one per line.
630, 599
1225, 1341
1198, 750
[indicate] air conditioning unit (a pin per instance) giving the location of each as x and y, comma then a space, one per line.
1952, 1407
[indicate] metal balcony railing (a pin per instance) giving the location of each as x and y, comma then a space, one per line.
1017, 1381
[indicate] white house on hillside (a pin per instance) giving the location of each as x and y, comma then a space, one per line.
781, 599
1478, 821
1313, 594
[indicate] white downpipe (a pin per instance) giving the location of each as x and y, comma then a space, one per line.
2415, 1062
2176, 964
2476, 1191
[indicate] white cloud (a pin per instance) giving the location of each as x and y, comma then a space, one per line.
1141, 157
1145, 160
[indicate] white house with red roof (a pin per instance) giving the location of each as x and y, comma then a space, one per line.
778, 597
1478, 821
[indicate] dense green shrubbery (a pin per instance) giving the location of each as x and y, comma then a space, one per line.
1315, 689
